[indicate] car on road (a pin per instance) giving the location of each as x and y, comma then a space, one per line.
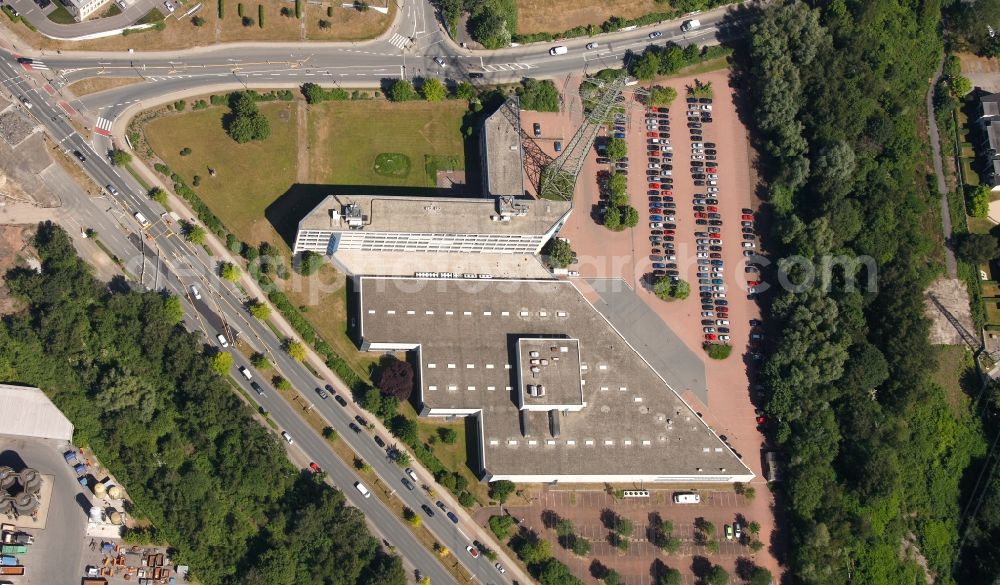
408, 484
362, 489
169, 6
379, 441
314, 467
411, 473
361, 420
427, 510
26, 103
472, 551
561, 50
500, 568
195, 292
287, 437
451, 516
111, 189
322, 393
257, 388
340, 400
440, 62
592, 46
79, 156
441, 505
222, 340
655, 34
246, 373
354, 427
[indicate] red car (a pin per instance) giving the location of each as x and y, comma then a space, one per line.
753, 283
700, 215
667, 193
709, 337
314, 467
654, 185
762, 420
746, 217
668, 232
711, 169
652, 134
713, 208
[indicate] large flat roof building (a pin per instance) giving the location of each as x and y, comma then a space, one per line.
557, 394
502, 225
26, 411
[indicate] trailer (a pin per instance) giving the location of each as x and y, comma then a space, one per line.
15, 570
13, 549
70, 457
8, 561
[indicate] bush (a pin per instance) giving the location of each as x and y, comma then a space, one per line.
501, 525
361, 5
260, 15
247, 21
158, 195
662, 96
329, 10
433, 90
180, 105
315, 94
978, 200
718, 351
308, 262
229, 271
466, 499
324, 24
199, 21
222, 11
259, 361
448, 436
239, 10
185, 151
298, 8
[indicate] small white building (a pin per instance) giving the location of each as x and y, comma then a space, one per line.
82, 9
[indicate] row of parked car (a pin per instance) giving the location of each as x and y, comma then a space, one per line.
660, 179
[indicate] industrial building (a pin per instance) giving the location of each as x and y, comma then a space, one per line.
368, 223
28, 412
556, 393
502, 151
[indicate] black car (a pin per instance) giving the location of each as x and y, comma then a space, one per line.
603, 161
709, 145
699, 183
361, 420
354, 428
379, 441
79, 155
538, 129
694, 124
408, 484
340, 400
427, 510
692, 100
256, 387
705, 100
697, 163
475, 75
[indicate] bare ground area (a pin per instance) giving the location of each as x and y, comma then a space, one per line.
96, 84
983, 72
556, 16
954, 298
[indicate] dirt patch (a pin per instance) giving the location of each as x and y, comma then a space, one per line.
983, 72
15, 248
96, 84
451, 179
948, 299
556, 16
19, 172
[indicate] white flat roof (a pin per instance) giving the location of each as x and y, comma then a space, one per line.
27, 412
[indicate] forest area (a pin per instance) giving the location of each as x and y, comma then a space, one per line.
140, 389
877, 461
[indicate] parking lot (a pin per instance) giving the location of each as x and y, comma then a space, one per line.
583, 508
627, 254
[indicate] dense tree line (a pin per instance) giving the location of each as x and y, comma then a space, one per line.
142, 393
875, 453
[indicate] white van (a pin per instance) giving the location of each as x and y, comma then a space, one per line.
561, 50
690, 25
139, 217
246, 373
687, 498
361, 488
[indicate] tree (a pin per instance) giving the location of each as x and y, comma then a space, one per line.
244, 122
158, 195
185, 151
662, 96
260, 310
404, 428
760, 576
535, 550
395, 377
501, 525
580, 546
229, 271
630, 216
222, 361
960, 85
448, 436
309, 262
433, 90
501, 490
611, 577
978, 198
624, 526
490, 29
173, 312
295, 349
401, 90
717, 576
281, 383
617, 149
557, 253
259, 361
538, 95
977, 248
120, 158
325, 24
613, 219
670, 576
465, 91
195, 234
646, 66
618, 185
667, 288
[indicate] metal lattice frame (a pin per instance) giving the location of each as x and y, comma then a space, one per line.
534, 158
558, 180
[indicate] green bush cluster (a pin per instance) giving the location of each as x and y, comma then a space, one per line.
670, 58
315, 94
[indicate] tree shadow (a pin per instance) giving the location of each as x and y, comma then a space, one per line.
598, 570
550, 518
609, 518
700, 566
744, 568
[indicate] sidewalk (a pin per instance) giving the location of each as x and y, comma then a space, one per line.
220, 252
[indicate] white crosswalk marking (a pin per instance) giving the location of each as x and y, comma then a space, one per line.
506, 67
104, 124
399, 40
35, 64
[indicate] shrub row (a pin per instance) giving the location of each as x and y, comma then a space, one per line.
204, 213
612, 24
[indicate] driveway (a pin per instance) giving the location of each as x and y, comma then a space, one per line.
88, 29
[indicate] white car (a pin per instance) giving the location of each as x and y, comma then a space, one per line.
410, 472
500, 568
169, 6
287, 437
697, 157
592, 46
697, 145
702, 254
655, 225
706, 107
707, 314
440, 62
26, 103
749, 245
723, 338
222, 340
195, 292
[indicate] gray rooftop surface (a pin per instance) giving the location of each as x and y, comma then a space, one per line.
504, 171
633, 423
557, 370
436, 215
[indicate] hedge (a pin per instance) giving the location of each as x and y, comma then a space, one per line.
260, 15
222, 11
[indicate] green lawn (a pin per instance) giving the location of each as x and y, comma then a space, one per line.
955, 373
346, 138
250, 177
454, 456
980, 225
61, 16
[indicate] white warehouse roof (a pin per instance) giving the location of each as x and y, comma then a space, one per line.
27, 412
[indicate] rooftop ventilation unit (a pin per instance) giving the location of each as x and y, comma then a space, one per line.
509, 207
353, 217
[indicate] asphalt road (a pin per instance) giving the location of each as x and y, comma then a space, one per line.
165, 261
110, 25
